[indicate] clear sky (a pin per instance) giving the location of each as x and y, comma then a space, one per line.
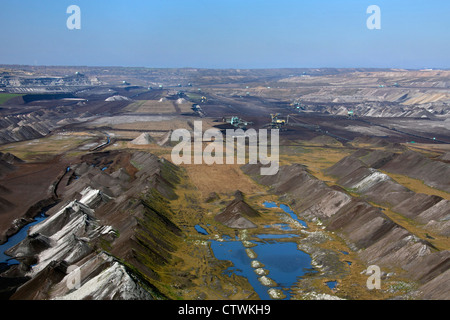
226, 33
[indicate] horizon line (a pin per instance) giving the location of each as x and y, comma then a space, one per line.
221, 68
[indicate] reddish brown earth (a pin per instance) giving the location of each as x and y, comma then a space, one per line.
27, 189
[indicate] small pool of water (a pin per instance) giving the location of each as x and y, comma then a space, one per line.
270, 204
200, 229
287, 209
283, 261
331, 284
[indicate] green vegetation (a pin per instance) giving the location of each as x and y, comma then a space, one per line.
144, 281
194, 97
156, 233
136, 165
45, 148
7, 96
170, 172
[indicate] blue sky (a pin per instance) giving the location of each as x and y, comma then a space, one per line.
226, 33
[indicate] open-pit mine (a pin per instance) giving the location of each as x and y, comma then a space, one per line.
93, 207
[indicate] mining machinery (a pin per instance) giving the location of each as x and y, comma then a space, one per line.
237, 122
277, 122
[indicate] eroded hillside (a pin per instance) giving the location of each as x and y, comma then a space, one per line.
91, 206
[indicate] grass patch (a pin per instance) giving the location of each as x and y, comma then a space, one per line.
415, 228
4, 97
44, 148
316, 159
194, 97
417, 185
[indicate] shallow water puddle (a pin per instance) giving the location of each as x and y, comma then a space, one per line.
287, 209
271, 267
331, 284
273, 264
200, 229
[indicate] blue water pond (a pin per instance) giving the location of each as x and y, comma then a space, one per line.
287, 209
200, 229
285, 263
331, 284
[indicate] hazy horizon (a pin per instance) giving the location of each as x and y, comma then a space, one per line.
217, 68
227, 34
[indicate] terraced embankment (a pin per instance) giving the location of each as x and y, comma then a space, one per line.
358, 173
375, 237
106, 239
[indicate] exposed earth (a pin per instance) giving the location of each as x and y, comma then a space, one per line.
364, 169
